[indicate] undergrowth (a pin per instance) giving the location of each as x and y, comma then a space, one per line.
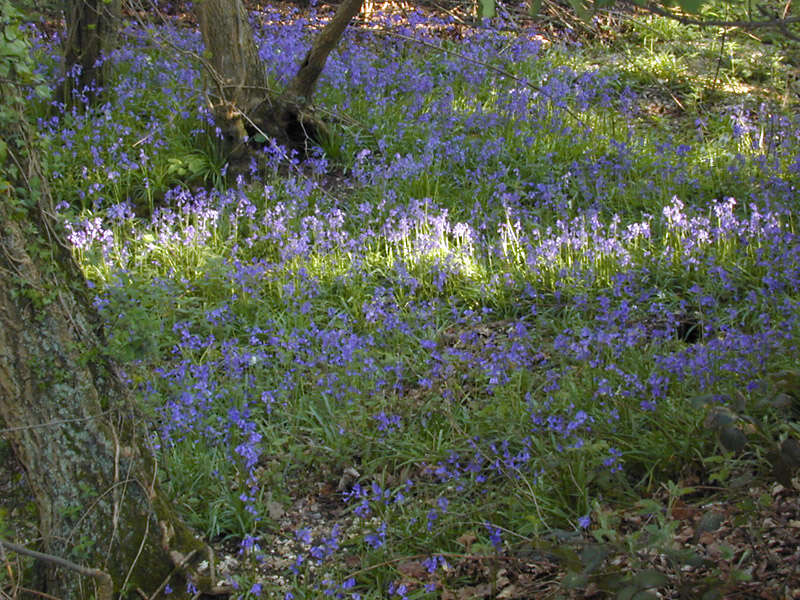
515, 293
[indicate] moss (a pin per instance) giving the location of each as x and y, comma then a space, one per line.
154, 567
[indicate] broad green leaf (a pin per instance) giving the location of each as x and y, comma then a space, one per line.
732, 438
608, 580
535, 7
650, 578
790, 452
627, 592
719, 417
487, 9
710, 521
593, 556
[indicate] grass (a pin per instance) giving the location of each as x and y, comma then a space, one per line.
512, 316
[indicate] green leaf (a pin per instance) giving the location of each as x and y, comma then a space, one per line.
627, 592
583, 14
715, 592
690, 6
535, 7
608, 580
631, 592
650, 578
781, 401
720, 417
593, 556
785, 461
685, 556
487, 9
790, 453
710, 521
732, 438
704, 400
788, 381
260, 138
573, 581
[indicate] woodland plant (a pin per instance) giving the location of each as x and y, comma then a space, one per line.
499, 316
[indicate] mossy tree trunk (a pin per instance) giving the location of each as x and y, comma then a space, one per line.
243, 104
71, 421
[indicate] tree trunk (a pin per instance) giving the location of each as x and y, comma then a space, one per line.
91, 27
226, 31
70, 420
244, 105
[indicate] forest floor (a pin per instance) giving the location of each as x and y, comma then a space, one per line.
372, 375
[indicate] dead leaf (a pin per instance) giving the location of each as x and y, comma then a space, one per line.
348, 478
509, 592
275, 510
413, 569
467, 539
473, 592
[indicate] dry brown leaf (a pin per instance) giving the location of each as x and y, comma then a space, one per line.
413, 569
467, 539
473, 592
509, 592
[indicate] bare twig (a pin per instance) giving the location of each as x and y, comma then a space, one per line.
105, 585
175, 569
781, 23
9, 569
38, 593
56, 422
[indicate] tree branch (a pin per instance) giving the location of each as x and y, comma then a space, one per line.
105, 585
781, 23
302, 86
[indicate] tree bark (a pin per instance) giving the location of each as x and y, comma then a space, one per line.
91, 27
244, 105
226, 31
302, 86
69, 418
